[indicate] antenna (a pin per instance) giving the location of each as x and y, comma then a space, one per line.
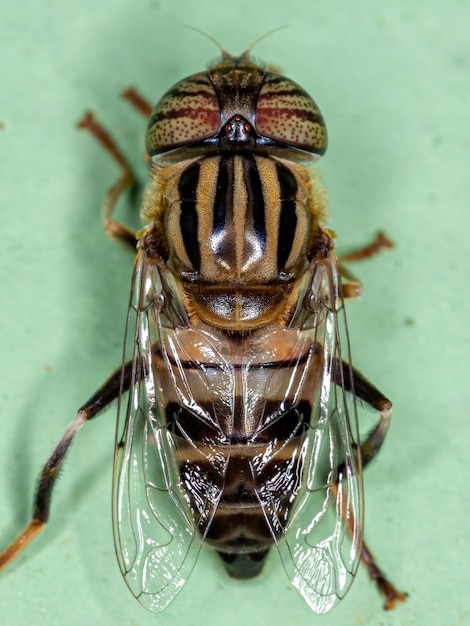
247, 52
225, 54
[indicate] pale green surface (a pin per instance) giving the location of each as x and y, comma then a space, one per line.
393, 81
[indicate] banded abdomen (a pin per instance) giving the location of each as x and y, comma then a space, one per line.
238, 412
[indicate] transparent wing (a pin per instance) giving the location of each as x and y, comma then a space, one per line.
158, 528
319, 531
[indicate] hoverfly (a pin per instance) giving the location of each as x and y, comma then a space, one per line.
239, 427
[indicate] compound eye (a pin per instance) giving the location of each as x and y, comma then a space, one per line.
285, 112
187, 113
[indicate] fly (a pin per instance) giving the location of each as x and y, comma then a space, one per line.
237, 425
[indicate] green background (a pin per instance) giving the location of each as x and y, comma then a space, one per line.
393, 82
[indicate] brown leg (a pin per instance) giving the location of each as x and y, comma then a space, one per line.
137, 101
391, 594
112, 228
353, 288
108, 392
381, 241
354, 382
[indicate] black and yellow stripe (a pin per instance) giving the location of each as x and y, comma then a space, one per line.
238, 218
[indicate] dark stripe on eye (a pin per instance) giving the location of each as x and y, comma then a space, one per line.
223, 193
254, 190
187, 189
287, 217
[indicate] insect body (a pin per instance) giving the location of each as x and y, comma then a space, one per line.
239, 428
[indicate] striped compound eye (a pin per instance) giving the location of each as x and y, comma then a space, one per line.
286, 113
187, 113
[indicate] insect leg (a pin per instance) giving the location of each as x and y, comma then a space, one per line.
109, 391
354, 382
137, 101
353, 288
365, 252
112, 228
